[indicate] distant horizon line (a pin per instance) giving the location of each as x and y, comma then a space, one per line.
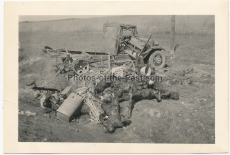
32, 21
45, 18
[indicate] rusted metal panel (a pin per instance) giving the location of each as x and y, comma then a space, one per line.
70, 106
110, 42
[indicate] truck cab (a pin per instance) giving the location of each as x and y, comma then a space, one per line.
123, 39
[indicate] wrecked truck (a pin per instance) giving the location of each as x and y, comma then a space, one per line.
121, 44
123, 39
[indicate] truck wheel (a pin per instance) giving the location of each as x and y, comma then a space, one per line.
80, 66
157, 59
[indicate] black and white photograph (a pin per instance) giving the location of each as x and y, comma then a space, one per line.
117, 79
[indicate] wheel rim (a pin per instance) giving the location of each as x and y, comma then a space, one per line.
157, 60
81, 67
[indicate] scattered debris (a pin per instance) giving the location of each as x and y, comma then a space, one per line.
117, 71
70, 107
101, 86
94, 106
109, 102
147, 70
47, 115
188, 71
47, 50
81, 91
131, 48
27, 113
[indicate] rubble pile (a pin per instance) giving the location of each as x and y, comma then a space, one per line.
107, 102
94, 107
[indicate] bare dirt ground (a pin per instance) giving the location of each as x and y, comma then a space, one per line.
191, 119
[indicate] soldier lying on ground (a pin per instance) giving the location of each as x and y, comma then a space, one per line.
112, 110
50, 102
133, 93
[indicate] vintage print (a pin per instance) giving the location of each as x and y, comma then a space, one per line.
117, 79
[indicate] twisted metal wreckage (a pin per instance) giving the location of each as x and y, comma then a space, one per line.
129, 55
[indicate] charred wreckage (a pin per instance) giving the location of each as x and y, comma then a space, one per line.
107, 102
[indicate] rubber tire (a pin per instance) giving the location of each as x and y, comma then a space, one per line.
153, 55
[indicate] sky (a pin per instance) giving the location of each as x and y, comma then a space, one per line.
54, 17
